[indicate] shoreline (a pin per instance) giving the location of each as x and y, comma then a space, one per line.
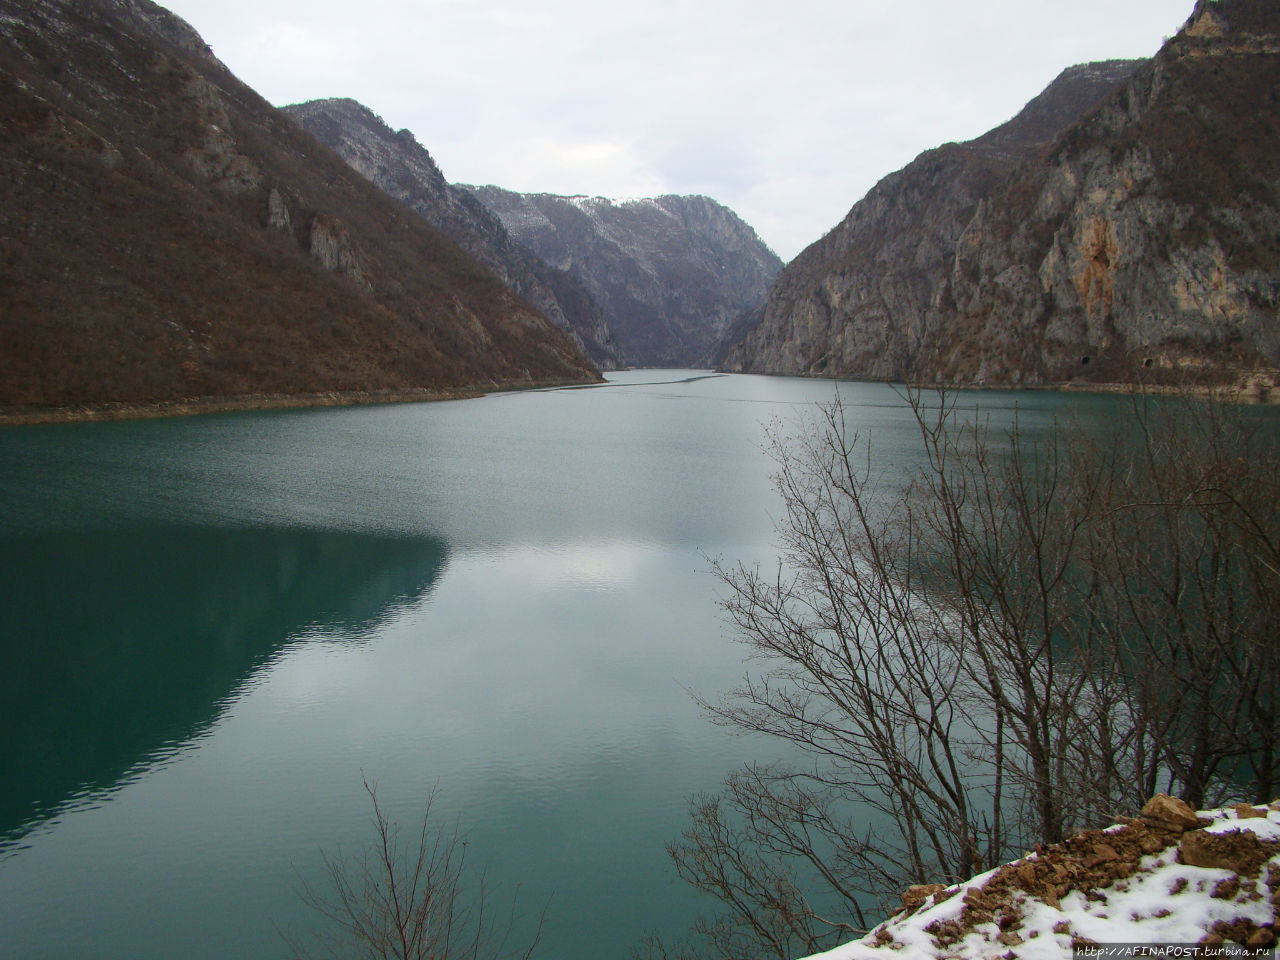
1252, 392
198, 406
1259, 392
1259, 389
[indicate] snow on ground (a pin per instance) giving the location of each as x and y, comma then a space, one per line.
1172, 876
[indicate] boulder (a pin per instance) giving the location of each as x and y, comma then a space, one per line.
1170, 811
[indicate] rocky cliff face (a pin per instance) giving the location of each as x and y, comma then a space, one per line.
165, 233
400, 166
1122, 228
671, 272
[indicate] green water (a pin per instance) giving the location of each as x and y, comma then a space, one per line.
212, 628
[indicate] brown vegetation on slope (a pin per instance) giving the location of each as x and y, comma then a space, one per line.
165, 233
397, 164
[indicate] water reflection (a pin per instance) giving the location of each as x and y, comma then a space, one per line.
115, 647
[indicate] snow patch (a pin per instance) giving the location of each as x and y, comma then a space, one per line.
1143, 899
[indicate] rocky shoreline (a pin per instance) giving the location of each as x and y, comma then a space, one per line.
1262, 388
195, 406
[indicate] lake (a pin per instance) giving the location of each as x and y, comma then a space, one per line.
213, 628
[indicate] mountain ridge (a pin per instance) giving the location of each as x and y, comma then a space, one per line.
886, 265
1129, 245
166, 234
671, 272
404, 169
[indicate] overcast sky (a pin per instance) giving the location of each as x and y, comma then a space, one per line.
788, 111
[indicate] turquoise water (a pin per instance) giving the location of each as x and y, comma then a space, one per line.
213, 628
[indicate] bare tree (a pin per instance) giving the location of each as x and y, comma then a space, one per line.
744, 857
1024, 637
1186, 548
410, 901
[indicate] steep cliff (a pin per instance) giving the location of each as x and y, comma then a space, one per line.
1123, 227
400, 166
165, 233
671, 272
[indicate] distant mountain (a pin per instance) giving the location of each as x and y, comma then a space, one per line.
166, 233
396, 163
1123, 227
671, 272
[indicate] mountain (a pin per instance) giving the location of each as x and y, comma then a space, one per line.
1122, 228
671, 272
400, 166
165, 233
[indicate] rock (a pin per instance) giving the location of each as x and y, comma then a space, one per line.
403, 169
1226, 889
1102, 853
1172, 811
672, 273
333, 246
1109, 233
1262, 937
278, 212
1199, 850
915, 895
1239, 851
872, 297
1246, 811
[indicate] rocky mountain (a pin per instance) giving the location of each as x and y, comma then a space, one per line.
165, 233
396, 163
1123, 227
671, 272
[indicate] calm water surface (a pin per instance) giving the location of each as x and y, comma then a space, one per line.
212, 628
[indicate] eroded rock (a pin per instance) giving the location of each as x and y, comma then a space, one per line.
1170, 811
